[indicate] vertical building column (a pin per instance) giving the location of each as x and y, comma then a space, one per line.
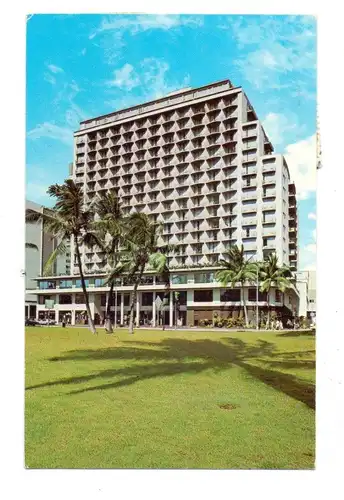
72, 320
154, 310
92, 299
122, 308
171, 308
138, 309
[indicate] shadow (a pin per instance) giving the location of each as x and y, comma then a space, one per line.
288, 384
173, 356
306, 364
295, 333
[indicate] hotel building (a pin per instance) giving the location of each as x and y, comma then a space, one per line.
200, 163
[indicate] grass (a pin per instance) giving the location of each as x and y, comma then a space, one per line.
172, 399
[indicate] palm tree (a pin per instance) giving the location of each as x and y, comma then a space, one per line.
141, 243
67, 219
237, 269
273, 275
159, 262
107, 233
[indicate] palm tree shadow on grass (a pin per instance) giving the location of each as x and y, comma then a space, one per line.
175, 356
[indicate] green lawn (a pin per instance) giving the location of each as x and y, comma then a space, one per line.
153, 399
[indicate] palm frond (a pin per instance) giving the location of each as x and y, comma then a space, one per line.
31, 245
59, 250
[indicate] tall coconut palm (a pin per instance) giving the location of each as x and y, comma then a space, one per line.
159, 262
68, 219
272, 275
107, 232
142, 237
237, 269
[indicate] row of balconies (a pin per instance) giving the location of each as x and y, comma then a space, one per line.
223, 122
226, 109
161, 152
204, 140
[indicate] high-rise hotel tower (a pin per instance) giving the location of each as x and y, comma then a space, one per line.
199, 162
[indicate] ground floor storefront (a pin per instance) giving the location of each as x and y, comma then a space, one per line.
183, 308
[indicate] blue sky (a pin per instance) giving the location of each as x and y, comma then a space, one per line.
79, 66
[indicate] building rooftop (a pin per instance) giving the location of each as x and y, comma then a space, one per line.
150, 104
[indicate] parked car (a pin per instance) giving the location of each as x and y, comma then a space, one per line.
46, 322
30, 322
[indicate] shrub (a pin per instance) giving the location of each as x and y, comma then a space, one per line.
240, 323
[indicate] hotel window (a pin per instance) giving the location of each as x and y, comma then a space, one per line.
44, 285
204, 278
43, 298
203, 296
278, 296
147, 298
65, 299
78, 283
230, 295
79, 298
99, 282
179, 279
66, 284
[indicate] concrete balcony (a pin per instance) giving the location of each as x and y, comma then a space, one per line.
269, 246
267, 182
268, 206
249, 196
249, 171
271, 220
250, 246
248, 209
269, 167
253, 234
269, 232
248, 159
249, 221
270, 194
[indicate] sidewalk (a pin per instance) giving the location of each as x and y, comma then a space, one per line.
200, 329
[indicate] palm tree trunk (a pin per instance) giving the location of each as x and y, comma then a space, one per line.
166, 294
108, 322
133, 300
244, 305
268, 304
83, 286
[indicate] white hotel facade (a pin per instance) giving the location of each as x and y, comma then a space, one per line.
199, 162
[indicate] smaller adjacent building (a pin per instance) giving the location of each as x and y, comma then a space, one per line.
36, 259
306, 286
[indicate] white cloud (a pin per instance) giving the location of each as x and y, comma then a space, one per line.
152, 77
277, 125
83, 52
276, 47
308, 254
49, 78
301, 159
37, 192
125, 77
51, 131
156, 81
55, 69
113, 29
312, 216
136, 24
